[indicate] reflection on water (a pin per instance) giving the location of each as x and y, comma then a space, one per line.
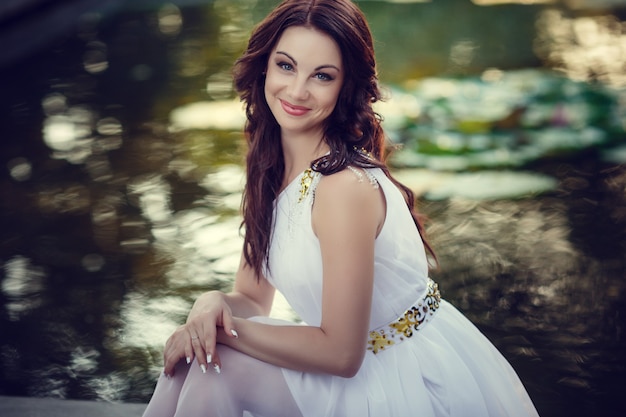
501, 119
121, 158
554, 296
585, 48
22, 285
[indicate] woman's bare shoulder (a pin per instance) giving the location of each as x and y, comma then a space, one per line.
351, 184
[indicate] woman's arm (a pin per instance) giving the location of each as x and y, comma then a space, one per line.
347, 217
249, 297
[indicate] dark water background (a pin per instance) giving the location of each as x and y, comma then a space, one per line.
114, 215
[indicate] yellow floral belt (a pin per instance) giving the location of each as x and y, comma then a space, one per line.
410, 322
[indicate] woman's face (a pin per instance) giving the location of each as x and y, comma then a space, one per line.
303, 79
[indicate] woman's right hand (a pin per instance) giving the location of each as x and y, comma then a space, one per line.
198, 337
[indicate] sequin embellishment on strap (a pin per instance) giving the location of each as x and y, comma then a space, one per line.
305, 183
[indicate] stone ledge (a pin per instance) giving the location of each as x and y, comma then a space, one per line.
52, 407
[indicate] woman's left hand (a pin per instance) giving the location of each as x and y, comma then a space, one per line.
210, 316
178, 347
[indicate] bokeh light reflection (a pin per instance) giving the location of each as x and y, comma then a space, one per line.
153, 196
95, 58
586, 48
20, 169
68, 132
170, 20
22, 286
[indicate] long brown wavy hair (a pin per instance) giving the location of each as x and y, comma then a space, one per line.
353, 131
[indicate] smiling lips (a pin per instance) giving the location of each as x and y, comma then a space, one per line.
293, 110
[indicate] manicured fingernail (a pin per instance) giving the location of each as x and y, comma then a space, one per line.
188, 360
166, 375
203, 368
234, 333
208, 358
217, 369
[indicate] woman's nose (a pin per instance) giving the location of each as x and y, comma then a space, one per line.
298, 88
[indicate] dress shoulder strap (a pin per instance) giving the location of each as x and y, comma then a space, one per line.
362, 172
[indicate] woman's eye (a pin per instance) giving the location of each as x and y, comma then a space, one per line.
285, 66
322, 76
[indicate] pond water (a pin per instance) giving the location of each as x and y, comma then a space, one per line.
121, 177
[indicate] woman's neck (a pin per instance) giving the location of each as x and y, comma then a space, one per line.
298, 153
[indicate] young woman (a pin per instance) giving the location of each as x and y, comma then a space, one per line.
327, 225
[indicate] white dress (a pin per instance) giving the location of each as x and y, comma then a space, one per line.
446, 368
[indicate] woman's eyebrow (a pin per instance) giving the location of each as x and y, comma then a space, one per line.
296, 62
288, 56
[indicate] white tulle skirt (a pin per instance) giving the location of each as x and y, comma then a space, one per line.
448, 368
